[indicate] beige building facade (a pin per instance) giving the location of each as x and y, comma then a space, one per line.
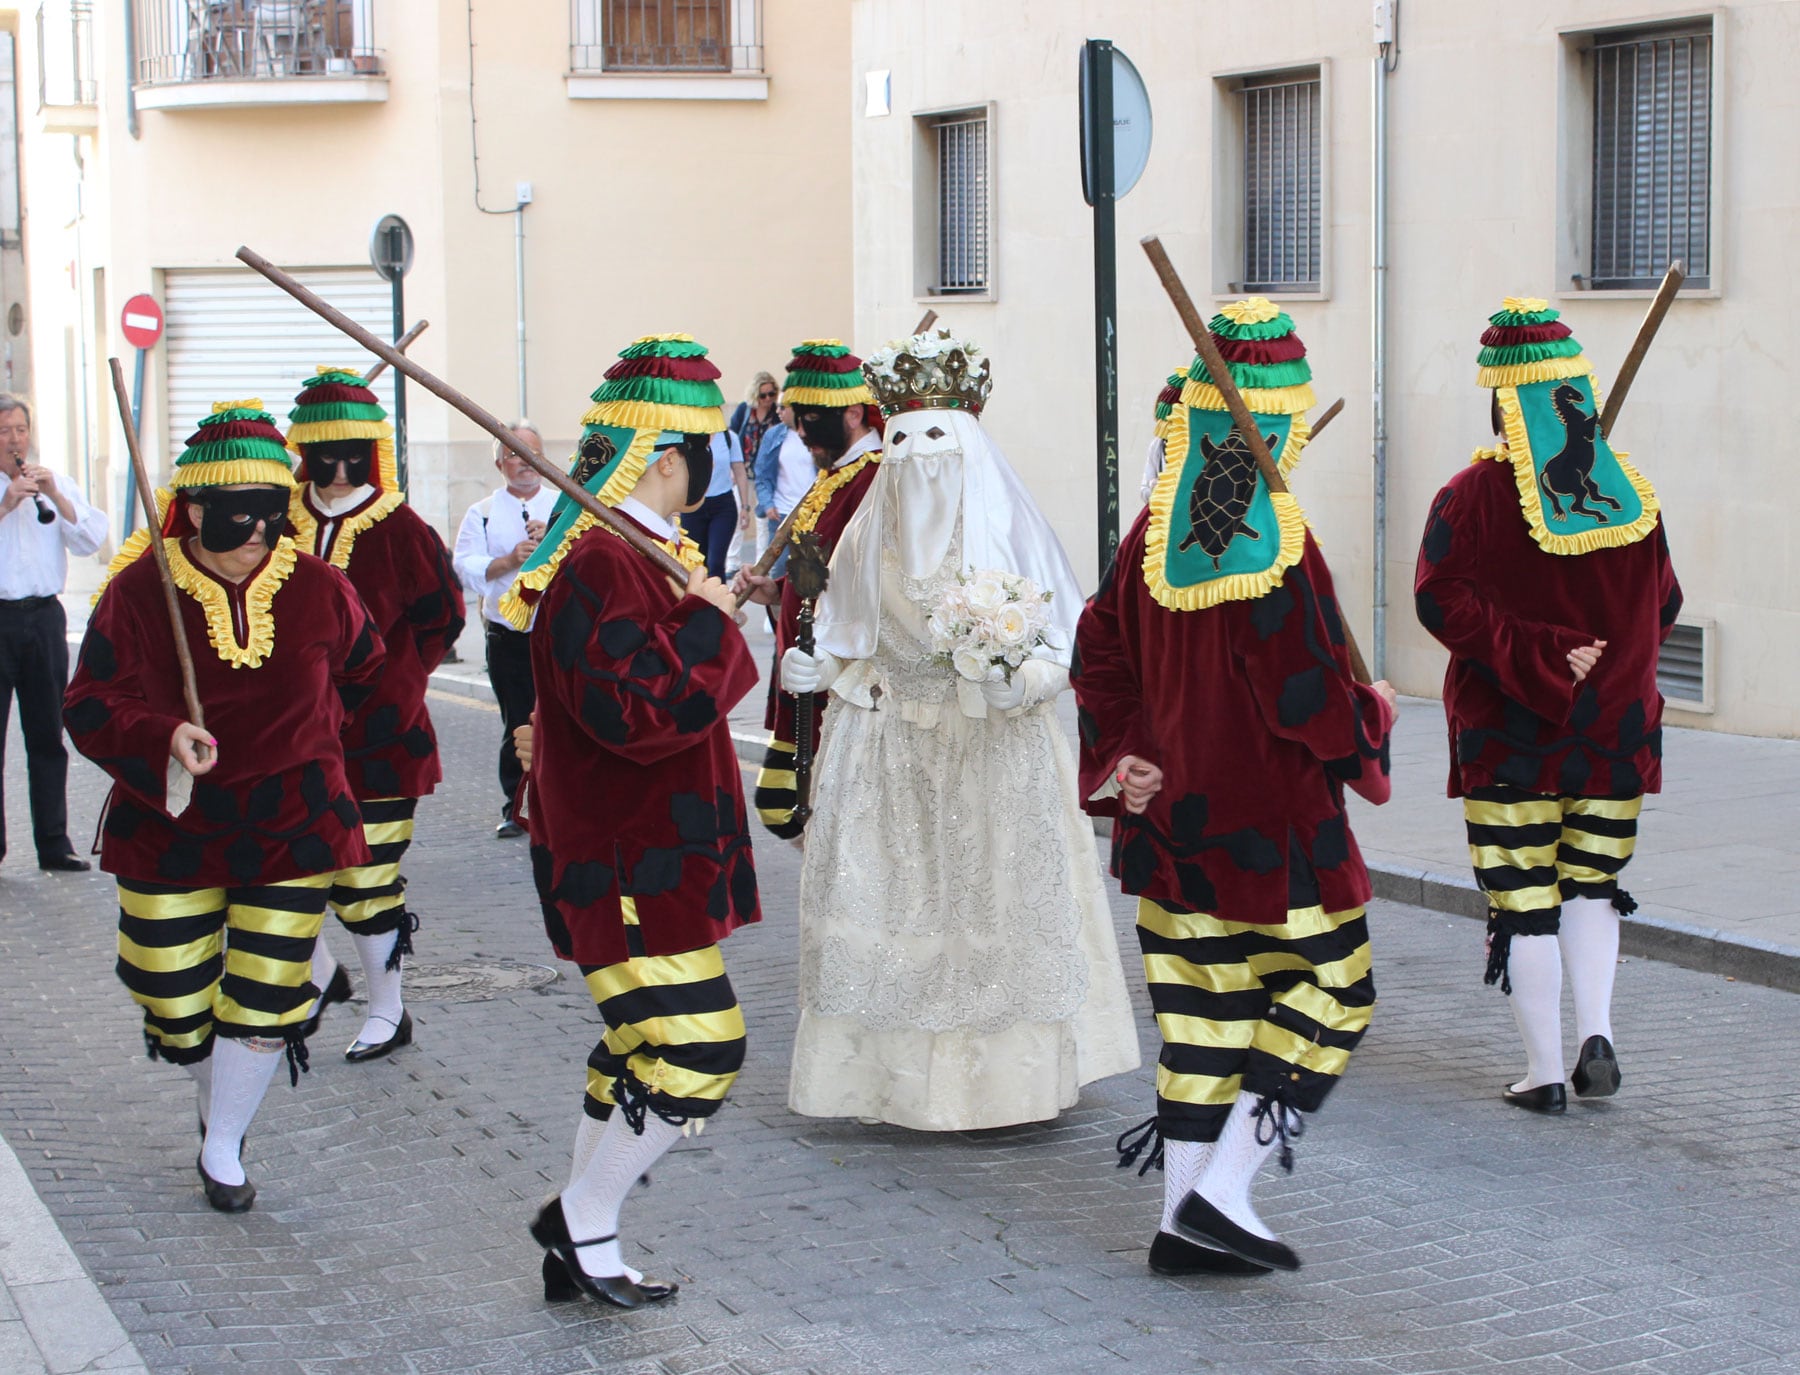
642, 165
1552, 148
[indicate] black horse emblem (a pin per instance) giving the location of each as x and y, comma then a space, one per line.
596, 452
1221, 496
1571, 473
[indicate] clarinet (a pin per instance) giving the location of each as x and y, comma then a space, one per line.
46, 516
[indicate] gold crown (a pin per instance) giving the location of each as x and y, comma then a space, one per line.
929, 372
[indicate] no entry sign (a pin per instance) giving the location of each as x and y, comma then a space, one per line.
141, 322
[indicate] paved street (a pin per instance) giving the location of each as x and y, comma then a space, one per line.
1441, 1230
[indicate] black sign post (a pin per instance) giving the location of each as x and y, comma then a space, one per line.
1097, 185
391, 251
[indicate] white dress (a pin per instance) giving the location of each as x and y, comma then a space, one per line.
958, 968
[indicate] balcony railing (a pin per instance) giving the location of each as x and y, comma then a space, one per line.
244, 40
65, 44
700, 37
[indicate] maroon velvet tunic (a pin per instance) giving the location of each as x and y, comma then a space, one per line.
1509, 613
1250, 710
405, 577
779, 715
277, 805
634, 790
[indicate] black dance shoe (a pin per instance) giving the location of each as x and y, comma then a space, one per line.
1596, 1069
361, 1050
559, 1288
550, 1229
1545, 1098
1173, 1255
63, 864
227, 1198
337, 990
508, 829
1200, 1222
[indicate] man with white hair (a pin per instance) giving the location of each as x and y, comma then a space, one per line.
957, 962
498, 534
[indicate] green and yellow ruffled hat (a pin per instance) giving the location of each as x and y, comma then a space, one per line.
238, 443
663, 384
1216, 533
337, 404
823, 372
1576, 492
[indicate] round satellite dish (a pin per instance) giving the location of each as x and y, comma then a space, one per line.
1131, 124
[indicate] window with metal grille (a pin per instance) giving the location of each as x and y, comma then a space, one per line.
666, 35
1681, 666
962, 203
1652, 155
1283, 202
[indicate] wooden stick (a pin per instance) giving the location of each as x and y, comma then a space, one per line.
1240, 413
183, 653
402, 344
556, 477
926, 321
1653, 318
1331, 414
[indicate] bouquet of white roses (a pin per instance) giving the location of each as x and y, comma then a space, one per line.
990, 620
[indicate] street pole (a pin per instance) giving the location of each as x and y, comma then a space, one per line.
1099, 137
137, 422
397, 242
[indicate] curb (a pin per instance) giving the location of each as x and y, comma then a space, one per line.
1700, 948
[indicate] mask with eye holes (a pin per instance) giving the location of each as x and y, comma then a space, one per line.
228, 518
696, 449
824, 431
322, 459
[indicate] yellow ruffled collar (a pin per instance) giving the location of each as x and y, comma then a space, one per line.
305, 521
825, 487
215, 597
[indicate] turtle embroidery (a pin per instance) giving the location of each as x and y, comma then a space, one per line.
1221, 496
1571, 473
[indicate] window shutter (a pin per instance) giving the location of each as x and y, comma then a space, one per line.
962, 164
1282, 184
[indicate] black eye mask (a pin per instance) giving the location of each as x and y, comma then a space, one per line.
228, 519
697, 450
322, 460
822, 428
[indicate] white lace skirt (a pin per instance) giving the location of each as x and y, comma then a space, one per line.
958, 968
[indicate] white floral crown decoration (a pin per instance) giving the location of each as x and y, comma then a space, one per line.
931, 371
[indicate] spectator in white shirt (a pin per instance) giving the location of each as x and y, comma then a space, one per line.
42, 521
497, 536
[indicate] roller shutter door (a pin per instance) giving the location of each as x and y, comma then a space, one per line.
230, 335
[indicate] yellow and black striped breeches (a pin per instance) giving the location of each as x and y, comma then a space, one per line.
1532, 851
1269, 1010
776, 797
227, 961
674, 1037
370, 899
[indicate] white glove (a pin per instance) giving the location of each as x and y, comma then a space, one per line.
1001, 695
803, 672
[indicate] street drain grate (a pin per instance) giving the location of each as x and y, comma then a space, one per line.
474, 982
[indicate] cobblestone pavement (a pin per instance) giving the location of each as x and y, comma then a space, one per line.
1441, 1230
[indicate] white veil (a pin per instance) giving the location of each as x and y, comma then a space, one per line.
1003, 530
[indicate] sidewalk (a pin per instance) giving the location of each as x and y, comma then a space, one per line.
1717, 849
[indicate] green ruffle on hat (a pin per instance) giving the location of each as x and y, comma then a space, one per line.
335, 404
823, 372
1525, 342
662, 383
236, 445
1264, 356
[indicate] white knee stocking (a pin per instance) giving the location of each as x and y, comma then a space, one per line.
385, 1005
1229, 1171
591, 1204
324, 965
1535, 968
1182, 1163
201, 1072
1590, 949
240, 1077
587, 1140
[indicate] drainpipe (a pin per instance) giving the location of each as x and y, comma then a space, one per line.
131, 113
1386, 52
519, 285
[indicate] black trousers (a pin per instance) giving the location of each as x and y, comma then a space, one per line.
711, 526
34, 666
509, 674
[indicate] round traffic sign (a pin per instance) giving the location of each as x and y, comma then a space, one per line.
391, 247
1131, 124
141, 322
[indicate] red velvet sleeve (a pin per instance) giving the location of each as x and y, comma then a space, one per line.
108, 710
1109, 692
434, 601
644, 681
1527, 660
1668, 589
359, 653
1291, 646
